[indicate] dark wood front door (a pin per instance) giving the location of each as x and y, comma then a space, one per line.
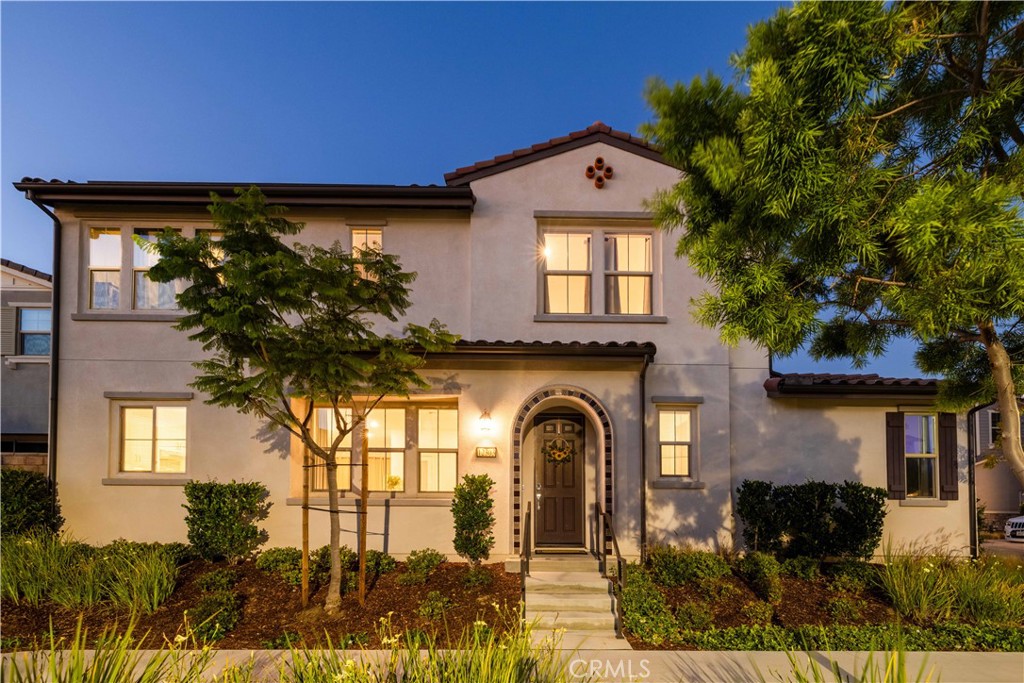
559, 480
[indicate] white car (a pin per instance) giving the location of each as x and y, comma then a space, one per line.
1014, 529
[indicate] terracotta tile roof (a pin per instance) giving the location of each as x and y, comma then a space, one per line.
26, 270
823, 384
598, 132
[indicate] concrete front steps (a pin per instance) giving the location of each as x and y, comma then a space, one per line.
569, 593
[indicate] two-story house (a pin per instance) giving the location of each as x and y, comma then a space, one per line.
24, 366
581, 379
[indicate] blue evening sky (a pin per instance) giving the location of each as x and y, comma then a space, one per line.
391, 93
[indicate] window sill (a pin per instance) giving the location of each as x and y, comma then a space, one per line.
321, 501
15, 361
923, 503
568, 318
144, 481
137, 316
666, 483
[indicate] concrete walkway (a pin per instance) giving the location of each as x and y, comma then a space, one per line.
711, 667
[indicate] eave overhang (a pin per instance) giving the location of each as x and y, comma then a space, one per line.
102, 193
850, 387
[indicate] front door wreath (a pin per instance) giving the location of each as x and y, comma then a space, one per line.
558, 451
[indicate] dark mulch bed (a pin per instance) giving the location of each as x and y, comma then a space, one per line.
271, 608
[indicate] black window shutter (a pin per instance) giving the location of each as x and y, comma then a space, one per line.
895, 456
949, 488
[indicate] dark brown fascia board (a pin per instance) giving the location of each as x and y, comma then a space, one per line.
545, 352
455, 180
888, 392
289, 194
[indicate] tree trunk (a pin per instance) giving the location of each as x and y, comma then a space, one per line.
364, 502
333, 603
1006, 395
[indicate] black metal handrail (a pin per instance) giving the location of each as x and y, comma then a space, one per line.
606, 532
524, 556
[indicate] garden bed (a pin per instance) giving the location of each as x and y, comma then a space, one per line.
271, 608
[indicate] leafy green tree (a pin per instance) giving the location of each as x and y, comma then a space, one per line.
288, 327
863, 182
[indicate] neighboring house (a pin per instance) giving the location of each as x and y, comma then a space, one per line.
25, 369
577, 338
996, 487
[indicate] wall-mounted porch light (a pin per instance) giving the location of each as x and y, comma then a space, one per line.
485, 424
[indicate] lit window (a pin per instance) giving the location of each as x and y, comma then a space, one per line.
628, 274
364, 240
154, 439
385, 433
567, 272
149, 294
438, 441
675, 441
325, 431
34, 331
104, 268
921, 455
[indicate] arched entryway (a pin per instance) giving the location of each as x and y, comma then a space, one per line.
550, 399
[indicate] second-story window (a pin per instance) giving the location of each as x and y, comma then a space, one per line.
149, 294
628, 274
105, 268
567, 272
34, 331
363, 240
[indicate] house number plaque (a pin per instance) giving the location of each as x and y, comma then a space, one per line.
486, 452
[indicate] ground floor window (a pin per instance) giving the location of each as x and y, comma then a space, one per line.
410, 448
153, 439
675, 441
922, 455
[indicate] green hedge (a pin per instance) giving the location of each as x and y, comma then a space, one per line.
814, 519
28, 503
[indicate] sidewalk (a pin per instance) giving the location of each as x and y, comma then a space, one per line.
738, 667
712, 667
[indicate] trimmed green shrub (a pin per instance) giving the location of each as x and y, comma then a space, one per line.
420, 565
215, 615
763, 523
806, 568
814, 519
472, 512
844, 609
378, 563
285, 562
694, 615
222, 518
218, 580
676, 566
761, 571
858, 519
759, 612
477, 576
807, 512
28, 503
644, 611
851, 576
433, 606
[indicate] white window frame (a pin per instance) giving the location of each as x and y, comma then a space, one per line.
691, 405
610, 274
126, 309
439, 451
598, 227
21, 333
934, 457
343, 456
411, 485
119, 401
